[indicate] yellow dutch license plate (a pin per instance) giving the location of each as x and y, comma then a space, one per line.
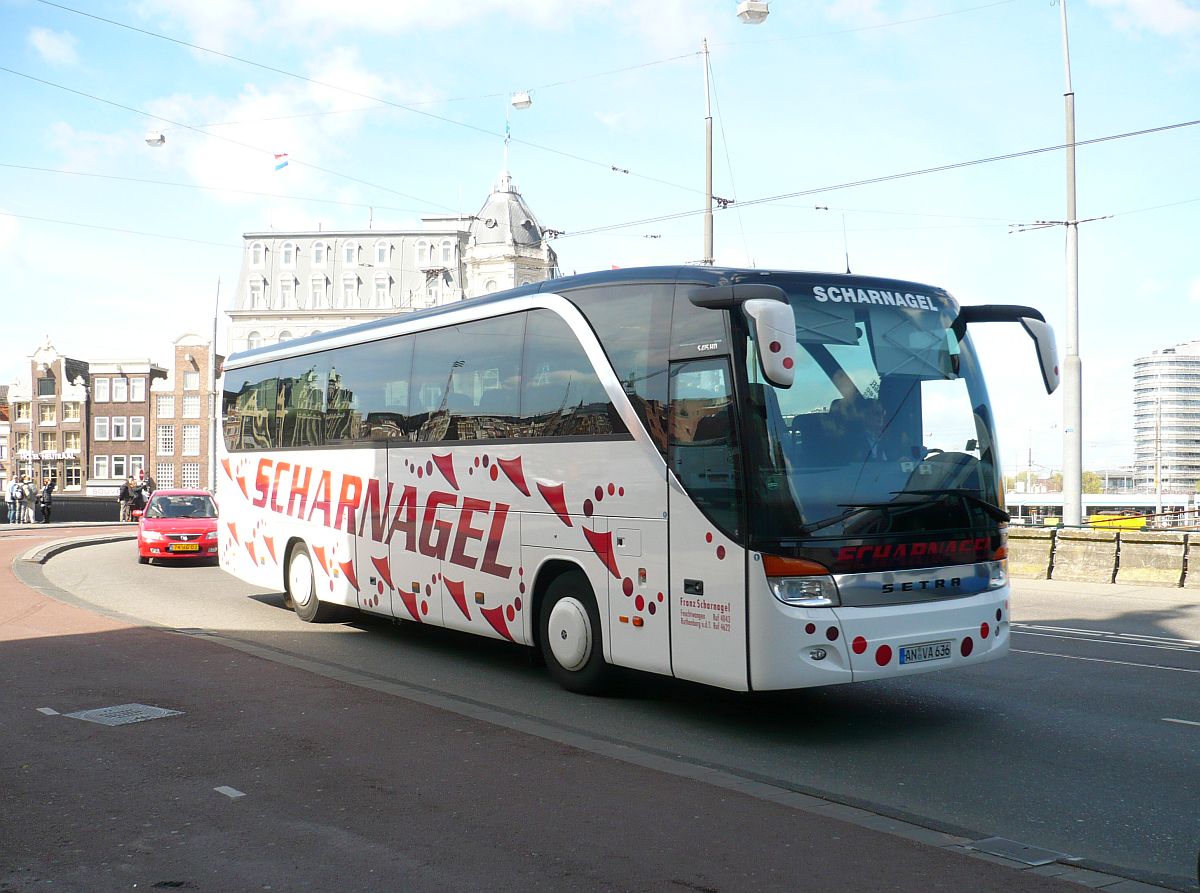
185, 547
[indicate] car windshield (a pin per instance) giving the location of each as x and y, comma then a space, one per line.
181, 507
886, 430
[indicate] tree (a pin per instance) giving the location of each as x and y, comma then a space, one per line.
1092, 482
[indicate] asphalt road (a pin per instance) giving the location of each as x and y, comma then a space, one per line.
1085, 741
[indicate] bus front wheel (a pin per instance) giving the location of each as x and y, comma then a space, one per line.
570, 637
302, 588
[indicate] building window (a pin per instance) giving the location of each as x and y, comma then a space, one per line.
257, 253
489, 286
100, 467
164, 473
72, 475
137, 467
46, 413
118, 430
166, 440
432, 293
190, 475
70, 412
100, 431
350, 253
71, 441
47, 442
287, 293
383, 297
118, 467
447, 253
253, 340
120, 390
101, 388
137, 390
23, 442
285, 335
317, 292
21, 412
191, 440
318, 257
257, 299
166, 407
137, 427
349, 291
422, 250
381, 251
289, 254
45, 387
191, 406
191, 381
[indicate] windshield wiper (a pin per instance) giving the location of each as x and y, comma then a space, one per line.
857, 508
992, 511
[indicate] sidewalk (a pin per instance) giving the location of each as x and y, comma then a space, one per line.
269, 777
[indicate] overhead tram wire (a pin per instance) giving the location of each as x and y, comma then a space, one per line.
398, 105
115, 229
189, 127
870, 181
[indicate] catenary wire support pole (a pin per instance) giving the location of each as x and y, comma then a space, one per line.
1072, 365
213, 417
708, 152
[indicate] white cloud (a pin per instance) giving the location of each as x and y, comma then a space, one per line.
55, 47
1165, 18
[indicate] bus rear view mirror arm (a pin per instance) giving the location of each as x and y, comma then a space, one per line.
1031, 321
771, 318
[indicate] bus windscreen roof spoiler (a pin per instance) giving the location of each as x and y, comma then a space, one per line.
725, 297
1031, 321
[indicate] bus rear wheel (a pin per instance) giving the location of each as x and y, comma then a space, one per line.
302, 588
570, 637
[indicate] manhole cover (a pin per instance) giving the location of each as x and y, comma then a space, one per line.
1018, 852
124, 714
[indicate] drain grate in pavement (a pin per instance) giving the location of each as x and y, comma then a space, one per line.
124, 714
1018, 852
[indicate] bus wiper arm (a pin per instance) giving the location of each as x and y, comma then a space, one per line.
992, 511
856, 508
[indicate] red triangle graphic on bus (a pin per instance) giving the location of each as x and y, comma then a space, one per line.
385, 570
410, 602
495, 616
512, 468
556, 500
455, 588
445, 465
348, 569
601, 544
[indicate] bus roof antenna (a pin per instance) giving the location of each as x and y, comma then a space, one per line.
845, 244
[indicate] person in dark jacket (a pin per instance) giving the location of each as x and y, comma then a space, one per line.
125, 499
46, 499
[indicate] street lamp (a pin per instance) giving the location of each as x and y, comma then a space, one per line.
753, 12
1072, 366
155, 138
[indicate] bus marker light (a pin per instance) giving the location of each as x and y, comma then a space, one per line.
623, 619
641, 575
479, 598
639, 621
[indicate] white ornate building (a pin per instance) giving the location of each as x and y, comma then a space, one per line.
294, 284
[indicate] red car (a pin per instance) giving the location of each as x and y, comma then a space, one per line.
177, 524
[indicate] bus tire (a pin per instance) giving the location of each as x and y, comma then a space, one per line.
301, 588
570, 636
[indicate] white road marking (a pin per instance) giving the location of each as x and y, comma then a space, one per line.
1182, 722
1114, 640
1100, 660
49, 711
231, 793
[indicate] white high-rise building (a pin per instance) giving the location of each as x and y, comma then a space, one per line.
294, 284
1166, 419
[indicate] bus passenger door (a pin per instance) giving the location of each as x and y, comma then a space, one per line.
708, 567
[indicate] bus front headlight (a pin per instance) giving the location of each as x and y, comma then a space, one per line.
805, 592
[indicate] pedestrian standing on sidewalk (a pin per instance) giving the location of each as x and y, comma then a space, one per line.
30, 498
125, 499
10, 500
46, 499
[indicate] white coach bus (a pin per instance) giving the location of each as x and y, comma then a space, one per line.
755, 480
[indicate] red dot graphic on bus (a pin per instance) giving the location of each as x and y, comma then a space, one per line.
521, 571
424, 607
428, 589
429, 467
599, 494
470, 471
639, 603
521, 587
660, 596
720, 553
495, 472
612, 489
832, 633
476, 461
379, 587
998, 615
859, 645
517, 601
420, 472
650, 607
708, 537
621, 491
510, 613
810, 628
967, 646
883, 655
486, 460
788, 362
627, 586
588, 508
984, 629
775, 347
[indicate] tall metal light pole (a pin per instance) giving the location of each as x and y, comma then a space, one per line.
707, 258
1072, 366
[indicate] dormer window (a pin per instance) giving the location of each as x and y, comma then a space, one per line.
350, 253
257, 254
447, 253
258, 293
382, 250
422, 252
318, 254
289, 254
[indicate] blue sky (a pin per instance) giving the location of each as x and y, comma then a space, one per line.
113, 248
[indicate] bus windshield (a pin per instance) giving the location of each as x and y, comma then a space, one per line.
886, 431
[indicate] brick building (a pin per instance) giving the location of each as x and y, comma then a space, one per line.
48, 427
120, 416
182, 417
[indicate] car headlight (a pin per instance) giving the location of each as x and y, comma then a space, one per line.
152, 536
211, 535
800, 582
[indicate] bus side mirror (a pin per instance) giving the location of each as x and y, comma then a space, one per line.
1034, 324
775, 336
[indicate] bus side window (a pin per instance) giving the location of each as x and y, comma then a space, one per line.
704, 451
561, 395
